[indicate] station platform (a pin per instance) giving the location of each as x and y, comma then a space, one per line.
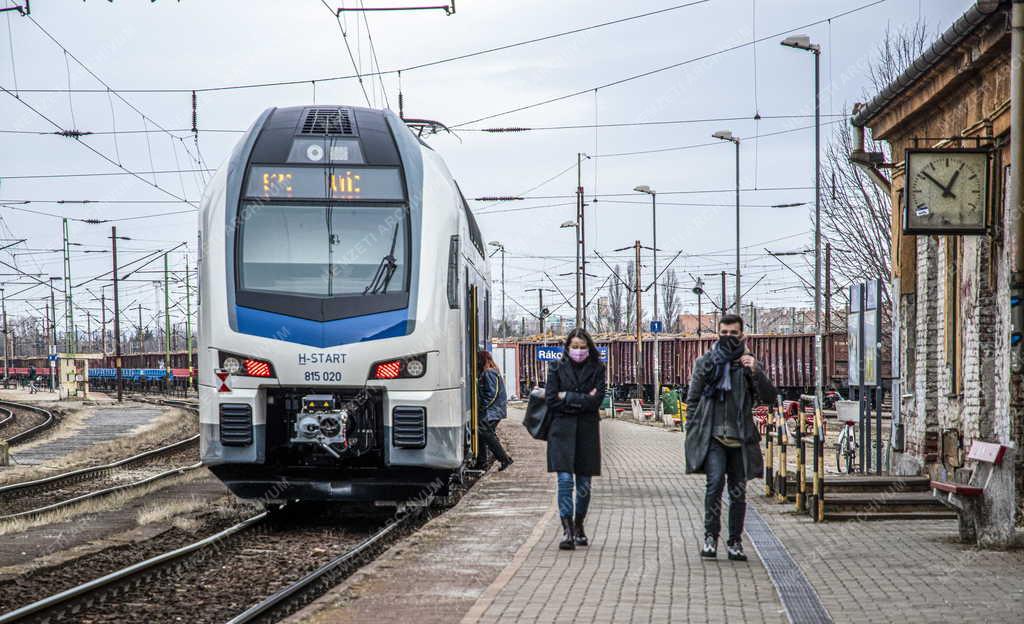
495, 558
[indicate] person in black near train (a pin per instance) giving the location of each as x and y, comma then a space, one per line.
721, 439
493, 407
574, 391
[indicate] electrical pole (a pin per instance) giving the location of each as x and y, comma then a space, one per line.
142, 338
3, 308
188, 316
103, 322
725, 303
70, 335
117, 318
637, 368
581, 308
167, 321
700, 316
540, 303
53, 330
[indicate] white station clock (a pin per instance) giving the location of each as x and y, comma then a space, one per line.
946, 191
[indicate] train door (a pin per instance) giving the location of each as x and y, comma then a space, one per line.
472, 346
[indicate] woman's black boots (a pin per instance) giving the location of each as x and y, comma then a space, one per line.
568, 539
579, 536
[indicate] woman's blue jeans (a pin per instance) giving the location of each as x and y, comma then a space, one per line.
565, 488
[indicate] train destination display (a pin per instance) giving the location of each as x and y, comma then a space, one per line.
344, 183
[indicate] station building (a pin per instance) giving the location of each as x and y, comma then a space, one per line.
953, 323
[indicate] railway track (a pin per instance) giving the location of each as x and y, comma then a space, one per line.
17, 428
266, 562
32, 498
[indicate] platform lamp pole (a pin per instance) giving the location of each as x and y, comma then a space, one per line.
803, 42
643, 188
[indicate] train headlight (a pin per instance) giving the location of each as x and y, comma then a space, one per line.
415, 368
400, 368
232, 365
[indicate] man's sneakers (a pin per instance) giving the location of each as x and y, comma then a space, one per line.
710, 549
735, 549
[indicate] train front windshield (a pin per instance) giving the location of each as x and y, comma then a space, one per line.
323, 251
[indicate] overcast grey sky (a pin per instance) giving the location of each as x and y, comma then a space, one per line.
196, 45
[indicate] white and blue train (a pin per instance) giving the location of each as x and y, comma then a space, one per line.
340, 265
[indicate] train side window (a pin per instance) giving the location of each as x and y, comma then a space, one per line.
474, 229
453, 273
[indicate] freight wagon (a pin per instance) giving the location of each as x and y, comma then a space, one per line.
788, 360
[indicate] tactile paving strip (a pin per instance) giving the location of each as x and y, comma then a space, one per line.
802, 604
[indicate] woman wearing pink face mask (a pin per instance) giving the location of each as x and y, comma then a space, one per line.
574, 391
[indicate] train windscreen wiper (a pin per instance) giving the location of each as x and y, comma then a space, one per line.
385, 270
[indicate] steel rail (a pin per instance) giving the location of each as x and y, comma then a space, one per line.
31, 431
283, 595
57, 600
8, 418
180, 470
83, 473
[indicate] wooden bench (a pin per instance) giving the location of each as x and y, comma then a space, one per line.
966, 495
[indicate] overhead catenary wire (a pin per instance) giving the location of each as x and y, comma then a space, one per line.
107, 88
398, 70
665, 68
93, 149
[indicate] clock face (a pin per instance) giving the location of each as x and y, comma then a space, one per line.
946, 191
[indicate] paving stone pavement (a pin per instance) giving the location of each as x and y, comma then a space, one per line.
900, 571
643, 565
495, 558
103, 425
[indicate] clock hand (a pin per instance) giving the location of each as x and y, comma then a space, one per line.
947, 192
937, 183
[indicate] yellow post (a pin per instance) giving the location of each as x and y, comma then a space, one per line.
821, 468
474, 331
769, 464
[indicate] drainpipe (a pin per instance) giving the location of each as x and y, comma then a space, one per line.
868, 162
1016, 190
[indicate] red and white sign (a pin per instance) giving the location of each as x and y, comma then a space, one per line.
222, 375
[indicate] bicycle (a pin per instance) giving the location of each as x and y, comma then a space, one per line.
846, 448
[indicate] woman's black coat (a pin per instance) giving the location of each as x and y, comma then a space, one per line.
574, 441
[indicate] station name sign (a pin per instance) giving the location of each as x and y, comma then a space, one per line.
553, 354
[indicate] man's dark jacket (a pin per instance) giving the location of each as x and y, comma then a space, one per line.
747, 386
574, 440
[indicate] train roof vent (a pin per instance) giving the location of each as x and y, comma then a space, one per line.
327, 121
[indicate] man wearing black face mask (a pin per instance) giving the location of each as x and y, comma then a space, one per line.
721, 439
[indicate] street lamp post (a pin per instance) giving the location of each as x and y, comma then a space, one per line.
504, 321
579, 272
726, 135
643, 188
803, 42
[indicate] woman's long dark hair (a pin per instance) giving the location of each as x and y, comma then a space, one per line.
579, 332
484, 360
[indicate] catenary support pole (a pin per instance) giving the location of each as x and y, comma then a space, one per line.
117, 318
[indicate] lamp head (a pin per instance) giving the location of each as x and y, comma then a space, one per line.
568, 224
495, 243
725, 135
643, 188
698, 288
801, 42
